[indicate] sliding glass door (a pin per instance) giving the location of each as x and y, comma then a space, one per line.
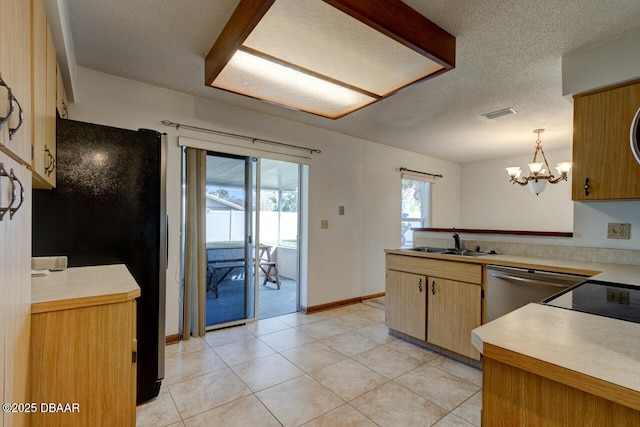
231, 183
279, 231
252, 238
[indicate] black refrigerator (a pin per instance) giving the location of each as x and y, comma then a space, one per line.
109, 207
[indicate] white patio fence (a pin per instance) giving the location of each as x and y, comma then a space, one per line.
228, 226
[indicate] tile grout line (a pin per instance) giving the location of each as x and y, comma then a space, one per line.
254, 333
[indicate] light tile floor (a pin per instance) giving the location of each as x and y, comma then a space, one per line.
334, 368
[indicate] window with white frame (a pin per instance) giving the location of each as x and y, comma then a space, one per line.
416, 205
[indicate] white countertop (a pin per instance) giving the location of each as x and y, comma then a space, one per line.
607, 272
81, 287
601, 347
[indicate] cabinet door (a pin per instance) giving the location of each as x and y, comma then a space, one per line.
601, 147
15, 69
454, 310
84, 355
61, 95
4, 286
406, 303
52, 81
15, 286
44, 102
134, 363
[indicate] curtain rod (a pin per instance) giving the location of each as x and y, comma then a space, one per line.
234, 135
423, 173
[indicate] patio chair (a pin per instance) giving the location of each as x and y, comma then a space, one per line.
268, 267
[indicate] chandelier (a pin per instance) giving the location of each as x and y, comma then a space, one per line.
538, 176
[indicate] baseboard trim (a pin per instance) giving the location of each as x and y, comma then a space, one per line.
337, 304
373, 296
175, 338
172, 339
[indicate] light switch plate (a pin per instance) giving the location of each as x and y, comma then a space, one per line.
617, 230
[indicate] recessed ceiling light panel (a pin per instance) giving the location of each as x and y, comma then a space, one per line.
254, 76
327, 57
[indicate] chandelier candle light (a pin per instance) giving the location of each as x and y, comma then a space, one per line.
538, 176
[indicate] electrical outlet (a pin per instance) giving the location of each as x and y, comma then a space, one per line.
341, 210
324, 224
617, 230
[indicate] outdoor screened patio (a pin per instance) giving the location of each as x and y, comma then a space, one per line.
229, 294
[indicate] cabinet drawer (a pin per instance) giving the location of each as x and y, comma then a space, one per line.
462, 271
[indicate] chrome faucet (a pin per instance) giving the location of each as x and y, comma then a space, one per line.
456, 239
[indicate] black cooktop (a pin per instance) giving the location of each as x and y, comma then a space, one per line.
602, 298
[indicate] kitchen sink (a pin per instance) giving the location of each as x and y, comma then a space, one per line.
447, 251
463, 252
429, 250
472, 253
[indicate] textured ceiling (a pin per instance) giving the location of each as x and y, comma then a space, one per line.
508, 55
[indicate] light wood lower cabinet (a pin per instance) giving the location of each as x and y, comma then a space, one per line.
521, 391
436, 301
454, 310
15, 289
406, 303
85, 358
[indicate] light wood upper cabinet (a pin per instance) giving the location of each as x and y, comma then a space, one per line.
15, 230
61, 95
601, 147
454, 310
406, 303
44, 100
15, 69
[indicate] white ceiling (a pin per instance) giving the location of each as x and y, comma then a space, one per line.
508, 55
230, 171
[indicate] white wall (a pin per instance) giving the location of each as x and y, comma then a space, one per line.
591, 220
490, 201
493, 203
603, 65
382, 199
346, 260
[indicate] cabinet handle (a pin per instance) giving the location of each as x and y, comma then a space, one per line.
52, 162
12, 131
3, 172
65, 110
14, 179
420, 285
5, 119
53, 165
587, 186
433, 287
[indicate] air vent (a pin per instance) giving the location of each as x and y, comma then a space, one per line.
500, 113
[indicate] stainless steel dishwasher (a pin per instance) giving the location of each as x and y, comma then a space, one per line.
509, 288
